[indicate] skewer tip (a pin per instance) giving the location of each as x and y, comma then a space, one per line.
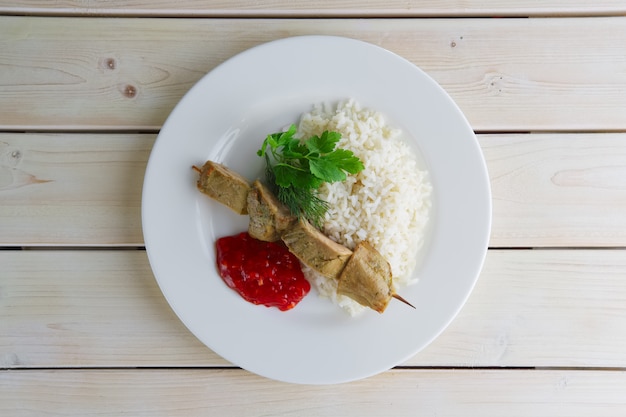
195, 168
397, 297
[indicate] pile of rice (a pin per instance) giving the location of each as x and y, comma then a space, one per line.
387, 204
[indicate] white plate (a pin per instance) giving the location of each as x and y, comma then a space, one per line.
225, 117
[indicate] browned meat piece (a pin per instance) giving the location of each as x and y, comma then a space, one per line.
315, 249
225, 186
367, 278
269, 218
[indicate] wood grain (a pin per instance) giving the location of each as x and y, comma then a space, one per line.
175, 392
325, 8
72, 189
557, 190
127, 74
549, 190
89, 308
539, 308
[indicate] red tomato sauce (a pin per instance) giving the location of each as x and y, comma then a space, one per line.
261, 272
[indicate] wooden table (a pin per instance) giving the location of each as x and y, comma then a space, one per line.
84, 89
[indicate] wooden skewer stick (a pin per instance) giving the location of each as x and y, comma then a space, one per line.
195, 168
397, 297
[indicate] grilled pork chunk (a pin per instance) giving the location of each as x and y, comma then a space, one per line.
316, 250
269, 218
225, 186
367, 278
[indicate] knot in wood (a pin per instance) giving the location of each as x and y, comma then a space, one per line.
130, 91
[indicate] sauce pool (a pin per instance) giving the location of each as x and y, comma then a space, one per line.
261, 272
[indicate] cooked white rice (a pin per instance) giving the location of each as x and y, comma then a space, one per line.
388, 203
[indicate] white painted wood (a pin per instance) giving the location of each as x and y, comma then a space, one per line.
201, 392
563, 190
543, 308
540, 308
72, 189
89, 308
557, 190
119, 74
318, 8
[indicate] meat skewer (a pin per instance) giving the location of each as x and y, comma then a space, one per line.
224, 185
269, 219
316, 250
363, 275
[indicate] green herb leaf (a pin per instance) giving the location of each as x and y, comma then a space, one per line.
326, 170
323, 144
295, 169
345, 160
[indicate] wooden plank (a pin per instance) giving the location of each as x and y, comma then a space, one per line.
89, 308
505, 74
234, 393
72, 189
317, 8
557, 190
563, 190
544, 308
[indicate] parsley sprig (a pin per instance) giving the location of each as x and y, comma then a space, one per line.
296, 168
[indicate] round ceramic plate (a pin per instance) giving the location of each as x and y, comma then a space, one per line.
224, 118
